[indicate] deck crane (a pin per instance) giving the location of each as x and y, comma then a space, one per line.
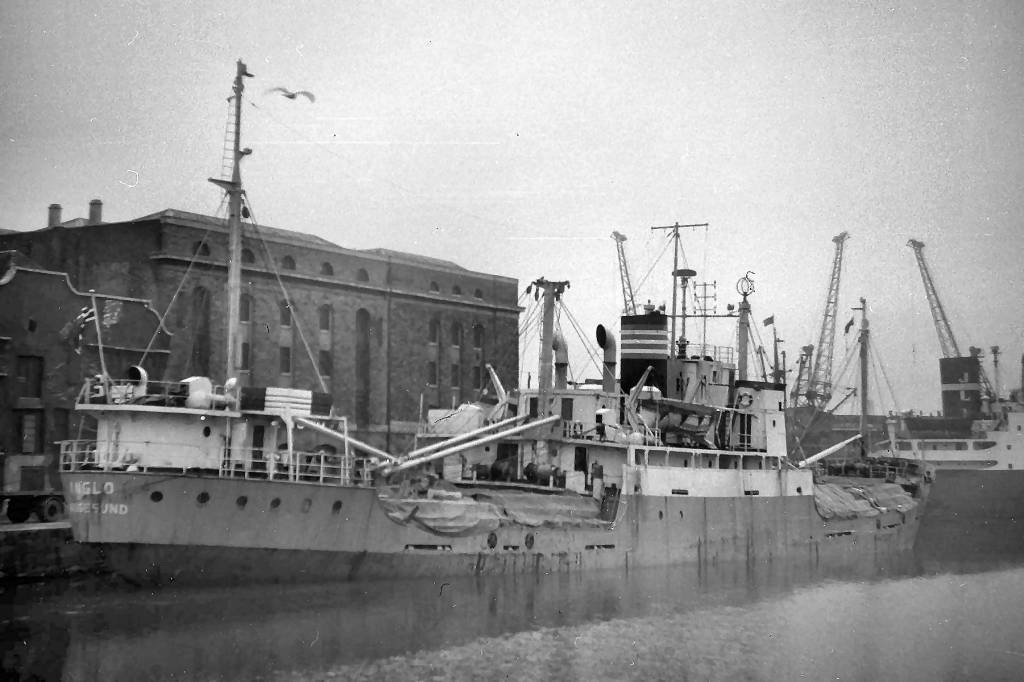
819, 383
628, 303
947, 341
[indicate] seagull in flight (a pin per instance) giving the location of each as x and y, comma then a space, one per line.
292, 95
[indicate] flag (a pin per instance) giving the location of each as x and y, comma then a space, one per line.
75, 329
111, 312
849, 325
769, 320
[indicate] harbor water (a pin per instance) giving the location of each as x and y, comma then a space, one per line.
902, 619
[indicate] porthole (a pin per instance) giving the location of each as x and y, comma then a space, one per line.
336, 507
275, 503
661, 515
156, 496
492, 540
529, 541
242, 501
206, 431
203, 497
306, 504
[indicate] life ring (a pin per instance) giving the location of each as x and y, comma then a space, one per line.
744, 399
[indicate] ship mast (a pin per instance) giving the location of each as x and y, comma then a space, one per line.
234, 190
865, 335
552, 291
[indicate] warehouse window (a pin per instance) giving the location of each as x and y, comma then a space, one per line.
248, 256
363, 275
327, 269
457, 290
245, 308
325, 317
456, 334
435, 331
434, 287
286, 360
287, 263
286, 314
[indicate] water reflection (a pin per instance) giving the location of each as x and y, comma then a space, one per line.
754, 621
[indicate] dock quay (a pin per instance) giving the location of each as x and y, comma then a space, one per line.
32, 551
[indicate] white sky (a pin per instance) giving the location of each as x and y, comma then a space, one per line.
514, 137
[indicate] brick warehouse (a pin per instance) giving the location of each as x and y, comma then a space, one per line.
386, 329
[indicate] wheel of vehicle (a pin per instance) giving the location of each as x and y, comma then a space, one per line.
50, 509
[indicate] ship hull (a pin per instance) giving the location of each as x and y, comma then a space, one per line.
159, 529
973, 514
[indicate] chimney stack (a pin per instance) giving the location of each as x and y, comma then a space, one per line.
54, 219
95, 212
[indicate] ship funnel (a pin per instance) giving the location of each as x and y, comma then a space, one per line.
561, 360
606, 340
139, 378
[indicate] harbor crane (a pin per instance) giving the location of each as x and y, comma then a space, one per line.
947, 341
819, 368
628, 302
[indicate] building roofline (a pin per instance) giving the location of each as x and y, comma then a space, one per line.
13, 268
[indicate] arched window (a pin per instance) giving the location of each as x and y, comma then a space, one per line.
199, 362
325, 317
245, 308
478, 336
327, 269
248, 256
457, 290
434, 287
362, 275
435, 331
456, 334
287, 263
479, 293
286, 314
201, 249
363, 361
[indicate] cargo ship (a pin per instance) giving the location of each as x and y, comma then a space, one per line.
677, 458
974, 453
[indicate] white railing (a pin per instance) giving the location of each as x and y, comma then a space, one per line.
318, 467
726, 354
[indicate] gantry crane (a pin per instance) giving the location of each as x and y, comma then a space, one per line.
947, 341
628, 303
819, 383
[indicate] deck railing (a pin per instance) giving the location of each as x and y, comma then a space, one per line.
317, 467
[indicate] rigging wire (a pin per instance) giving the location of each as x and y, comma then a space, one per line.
181, 284
885, 376
582, 337
284, 291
